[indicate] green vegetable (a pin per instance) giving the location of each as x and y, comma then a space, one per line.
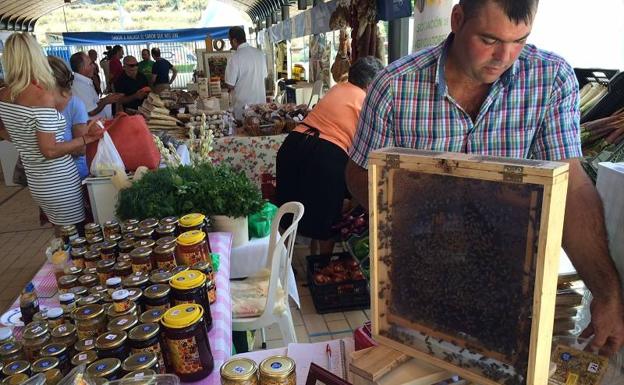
206, 189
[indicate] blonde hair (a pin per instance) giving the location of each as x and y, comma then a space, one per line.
24, 62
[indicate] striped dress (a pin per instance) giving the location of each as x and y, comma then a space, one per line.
53, 183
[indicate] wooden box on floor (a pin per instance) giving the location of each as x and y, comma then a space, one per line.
465, 254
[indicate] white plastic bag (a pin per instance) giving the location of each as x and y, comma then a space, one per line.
107, 160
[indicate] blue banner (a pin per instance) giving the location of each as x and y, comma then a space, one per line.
142, 37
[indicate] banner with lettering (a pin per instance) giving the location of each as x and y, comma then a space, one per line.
432, 22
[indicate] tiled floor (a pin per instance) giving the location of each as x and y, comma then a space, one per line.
23, 241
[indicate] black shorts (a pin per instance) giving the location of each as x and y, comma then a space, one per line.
311, 170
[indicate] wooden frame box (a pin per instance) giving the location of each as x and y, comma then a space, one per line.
465, 255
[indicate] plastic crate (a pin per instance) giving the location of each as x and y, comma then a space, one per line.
334, 297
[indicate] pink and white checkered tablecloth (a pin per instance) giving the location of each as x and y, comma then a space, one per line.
221, 334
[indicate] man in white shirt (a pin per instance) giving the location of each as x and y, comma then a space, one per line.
83, 87
245, 73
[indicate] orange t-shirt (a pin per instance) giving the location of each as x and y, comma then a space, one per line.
336, 115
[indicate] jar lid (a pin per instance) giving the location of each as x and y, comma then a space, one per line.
138, 374
63, 330
88, 312
98, 289
171, 220
239, 369
96, 242
131, 221
143, 232
160, 277
105, 264
277, 367
111, 223
52, 350
9, 348
144, 331
124, 257
68, 229
35, 329
126, 244
87, 279
152, 316
110, 340
5, 334
90, 270
157, 291
115, 237
91, 227
72, 270
188, 279
165, 241
44, 364
16, 379
203, 266
139, 361
135, 279
191, 220
78, 252
78, 291
149, 223
78, 242
89, 300
108, 244
141, 252
181, 316
129, 229
165, 229
86, 358
54, 313
67, 298
85, 345
92, 254
190, 238
165, 249
134, 293
67, 280
178, 269
120, 295
104, 367
122, 323
111, 313
15, 367
114, 282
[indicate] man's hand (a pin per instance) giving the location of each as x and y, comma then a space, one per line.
94, 131
142, 93
607, 326
112, 98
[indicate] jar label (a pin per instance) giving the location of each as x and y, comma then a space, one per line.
185, 355
88, 342
122, 321
239, 370
82, 357
166, 265
141, 268
110, 337
191, 258
276, 365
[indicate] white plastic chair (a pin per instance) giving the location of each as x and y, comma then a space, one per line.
317, 88
280, 253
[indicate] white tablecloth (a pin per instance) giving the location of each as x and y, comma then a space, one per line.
251, 257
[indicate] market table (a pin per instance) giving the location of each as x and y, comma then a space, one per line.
255, 155
221, 334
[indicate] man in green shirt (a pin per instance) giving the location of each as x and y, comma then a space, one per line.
145, 66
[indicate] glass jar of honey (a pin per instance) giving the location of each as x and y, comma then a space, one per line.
239, 371
58, 351
149, 223
122, 269
141, 260
121, 302
65, 334
135, 295
92, 230
107, 368
92, 298
16, 367
165, 256
105, 270
278, 370
158, 277
165, 241
146, 242
90, 320
165, 231
11, 351
140, 361
86, 358
192, 247
114, 238
138, 279
91, 258
79, 291
113, 284
79, 242
143, 233
123, 323
66, 282
128, 229
36, 335
151, 316
108, 250
125, 246
112, 344
157, 297
85, 345
190, 287
68, 234
190, 222
172, 220
132, 310
111, 227
77, 255
146, 338
44, 364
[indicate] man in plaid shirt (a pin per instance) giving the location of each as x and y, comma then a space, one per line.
485, 91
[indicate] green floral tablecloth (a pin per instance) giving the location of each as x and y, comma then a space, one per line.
255, 155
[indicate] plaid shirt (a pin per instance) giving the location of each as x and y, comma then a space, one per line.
532, 111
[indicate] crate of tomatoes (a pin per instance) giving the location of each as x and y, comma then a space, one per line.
337, 283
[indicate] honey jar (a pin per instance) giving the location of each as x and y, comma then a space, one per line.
165, 241
122, 269
77, 255
239, 371
44, 364
192, 222
107, 368
96, 243
105, 270
139, 279
125, 246
143, 233
186, 338
192, 247
65, 334
277, 370
36, 335
86, 358
108, 250
91, 258
165, 256
206, 268
135, 295
121, 302
172, 220
16, 367
113, 284
68, 234
165, 231
79, 242
123, 323
112, 313
141, 361
147, 242
114, 238
160, 277
146, 338
190, 287
85, 345
151, 316
92, 230
124, 258
79, 291
138, 374
127, 231
66, 282
89, 300
141, 260
149, 223
179, 269
90, 270
99, 289
16, 379
68, 303
90, 321
112, 344
58, 351
73, 270
111, 227
11, 351
130, 222
55, 317
157, 297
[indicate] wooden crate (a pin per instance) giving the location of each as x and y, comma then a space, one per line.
465, 254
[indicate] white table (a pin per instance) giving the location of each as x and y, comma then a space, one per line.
253, 256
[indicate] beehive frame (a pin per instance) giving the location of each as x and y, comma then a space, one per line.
548, 181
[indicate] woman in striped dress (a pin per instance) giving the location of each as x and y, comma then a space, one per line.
29, 110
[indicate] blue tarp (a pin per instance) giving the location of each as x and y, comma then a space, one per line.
142, 37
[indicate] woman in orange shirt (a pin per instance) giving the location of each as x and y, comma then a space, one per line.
311, 162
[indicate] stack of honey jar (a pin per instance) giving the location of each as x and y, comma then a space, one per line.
134, 301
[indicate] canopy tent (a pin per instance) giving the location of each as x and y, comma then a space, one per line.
137, 37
